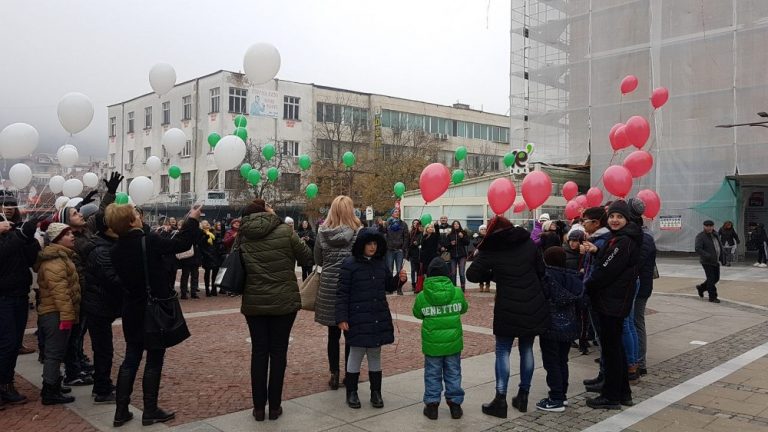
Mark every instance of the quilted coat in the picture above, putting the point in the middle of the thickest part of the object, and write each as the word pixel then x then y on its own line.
pixel 59 283
pixel 331 247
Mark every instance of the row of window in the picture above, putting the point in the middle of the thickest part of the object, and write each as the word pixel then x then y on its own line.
pixel 444 126
pixel 343 114
pixel 232 181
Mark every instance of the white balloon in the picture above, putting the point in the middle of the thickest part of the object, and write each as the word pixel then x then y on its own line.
pixel 75 112
pixel 61 202
pixel 261 63
pixel 162 78
pixel 72 188
pixel 154 164
pixel 18 140
pixel 90 180
pixel 74 202
pixel 20 175
pixel 67 155
pixel 229 152
pixel 174 140
pixel 141 190
pixel 56 183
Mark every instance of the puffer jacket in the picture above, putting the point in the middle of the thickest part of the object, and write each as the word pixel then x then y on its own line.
pixel 563 289
pixel 17 254
pixel 440 305
pixel 270 249
pixel 647 266
pixel 332 246
pixel 102 288
pixel 457 244
pixel 361 300
pixel 397 234
pixel 59 283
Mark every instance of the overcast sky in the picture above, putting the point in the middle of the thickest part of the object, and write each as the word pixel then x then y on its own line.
pixel 439 51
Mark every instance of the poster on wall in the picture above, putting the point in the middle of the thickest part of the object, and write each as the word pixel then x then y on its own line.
pixel 264 103
pixel 671 223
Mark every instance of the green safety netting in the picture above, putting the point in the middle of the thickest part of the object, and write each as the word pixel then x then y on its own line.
pixel 722 206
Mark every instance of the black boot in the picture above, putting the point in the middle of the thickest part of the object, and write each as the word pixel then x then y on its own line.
pixel 596 380
pixel 151 386
pixel 125 379
pixel 497 407
pixel 376 400
pixel 333 383
pixel 8 394
pixel 430 410
pixel 351 381
pixel 207 292
pixel 521 401
pixel 51 394
pixel 456 411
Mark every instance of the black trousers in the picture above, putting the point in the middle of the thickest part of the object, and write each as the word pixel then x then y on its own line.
pixel 334 342
pixel 713 277
pixel 100 329
pixel 305 271
pixel 554 355
pixel 269 357
pixel 616 387
pixel 74 358
pixel 209 278
pixel 189 271
pixel 13 321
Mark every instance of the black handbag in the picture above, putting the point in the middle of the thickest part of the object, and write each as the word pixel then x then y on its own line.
pixel 231 276
pixel 164 323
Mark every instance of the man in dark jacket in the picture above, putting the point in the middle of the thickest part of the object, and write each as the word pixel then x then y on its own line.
pixel 646 271
pixel 709 249
pixel 397 242
pixel 18 252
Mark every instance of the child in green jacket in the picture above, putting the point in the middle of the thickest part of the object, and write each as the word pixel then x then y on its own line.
pixel 440 305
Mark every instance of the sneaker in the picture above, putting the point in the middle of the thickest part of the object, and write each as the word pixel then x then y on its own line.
pixel 763 265
pixel 80 380
pixel 548 404
pixel 107 399
pixel 714 300
pixel 757 264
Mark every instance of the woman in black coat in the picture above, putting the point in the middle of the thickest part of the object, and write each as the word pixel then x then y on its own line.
pixel 429 246
pixel 136 248
pixel 210 249
pixel 456 243
pixel 413 250
pixel 307 235
pixel 509 257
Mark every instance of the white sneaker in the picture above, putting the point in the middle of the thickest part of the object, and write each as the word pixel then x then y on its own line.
pixel 763 265
pixel 756 264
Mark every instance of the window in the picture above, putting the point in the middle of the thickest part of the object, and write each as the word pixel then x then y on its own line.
pixel 231 179
pixel 237 100
pixel 187 150
pixel 147 153
pixel 164 183
pixel 185 182
pixel 166 113
pixel 327 148
pixel 213 179
pixel 215 100
pixel 130 157
pixel 113 126
pixel 111 160
pixel 290 182
pixel 130 122
pixel 290 108
pixel 147 117
pixel 290 148
pixel 186 107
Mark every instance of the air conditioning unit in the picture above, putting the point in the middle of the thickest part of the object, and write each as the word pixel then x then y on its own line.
pixel 128 166
pixel 443 137
pixel 165 160
pixel 436 135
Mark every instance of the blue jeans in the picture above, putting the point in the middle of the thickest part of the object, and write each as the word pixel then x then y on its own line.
pixel 395 256
pixel 13 321
pixel 503 349
pixel 629 333
pixel 443 369
pixel 458 263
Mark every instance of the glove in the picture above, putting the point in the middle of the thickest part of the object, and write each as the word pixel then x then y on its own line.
pixel 87 200
pixel 65 325
pixel 114 181
pixel 29 227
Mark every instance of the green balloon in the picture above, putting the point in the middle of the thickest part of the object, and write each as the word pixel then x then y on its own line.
pixel 457 176
pixel 305 162
pixel 121 198
pixel 272 174
pixel 461 153
pixel 268 151
pixel 174 172
pixel 254 177
pixel 240 121
pixel 213 139
pixel 509 159
pixel 426 219
pixel 349 159
pixel 245 169
pixel 311 190
pixel 399 189
pixel 241 132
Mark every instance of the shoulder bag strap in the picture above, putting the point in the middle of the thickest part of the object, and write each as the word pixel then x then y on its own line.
pixel 146 267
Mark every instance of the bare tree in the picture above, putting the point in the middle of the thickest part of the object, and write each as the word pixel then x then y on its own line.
pixel 484 162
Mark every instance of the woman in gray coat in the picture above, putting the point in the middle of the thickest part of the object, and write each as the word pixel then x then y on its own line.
pixel 335 238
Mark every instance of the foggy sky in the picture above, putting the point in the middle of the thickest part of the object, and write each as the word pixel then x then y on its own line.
pixel 441 51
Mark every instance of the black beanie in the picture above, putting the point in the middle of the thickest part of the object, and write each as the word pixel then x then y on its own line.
pixel 554 256
pixel 437 267
pixel 621 207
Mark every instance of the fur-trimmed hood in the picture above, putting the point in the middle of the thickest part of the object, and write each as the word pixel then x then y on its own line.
pixel 367 235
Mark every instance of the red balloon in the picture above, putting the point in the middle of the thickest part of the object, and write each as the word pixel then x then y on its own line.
pixel 639 163
pixel 501 195
pixel 617 180
pixel 659 97
pixel 652 202
pixel 594 197
pixel 537 187
pixel 434 181
pixel 628 84
pixel 570 190
pixel 581 200
pixel 621 139
pixel 519 207
pixel 638 131
pixel 572 210
pixel 612 135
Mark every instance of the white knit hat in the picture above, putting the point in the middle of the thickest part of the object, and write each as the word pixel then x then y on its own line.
pixel 544 217
pixel 56 231
pixel 289 220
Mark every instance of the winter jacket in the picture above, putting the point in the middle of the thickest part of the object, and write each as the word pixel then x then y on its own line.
pixel 440 305
pixel 647 266
pixel 573 260
pixel 729 237
pixel 511 259
pixel 611 285
pixel 83 247
pixel 310 235
pixel 457 244
pixel 102 288
pixel 709 254
pixel 361 299
pixel 17 254
pixel 332 246
pixel 443 230
pixel 599 238
pixel 196 259
pixel 397 234
pixel 128 260
pixel 550 239
pixel 536 233
pixel 429 249
pixel 414 241
pixel 476 240
pixel 270 249
pixel 59 283
pixel 563 289
pixel 210 250
pixel 229 238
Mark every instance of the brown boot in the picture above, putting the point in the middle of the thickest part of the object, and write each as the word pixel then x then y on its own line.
pixel 634 377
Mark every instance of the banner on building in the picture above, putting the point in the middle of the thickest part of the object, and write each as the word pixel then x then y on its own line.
pixel 377 130
pixel 264 103
pixel 671 223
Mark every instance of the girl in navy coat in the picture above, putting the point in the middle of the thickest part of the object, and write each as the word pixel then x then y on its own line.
pixel 362 311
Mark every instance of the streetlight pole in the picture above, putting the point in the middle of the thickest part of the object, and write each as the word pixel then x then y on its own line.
pixel 764 124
